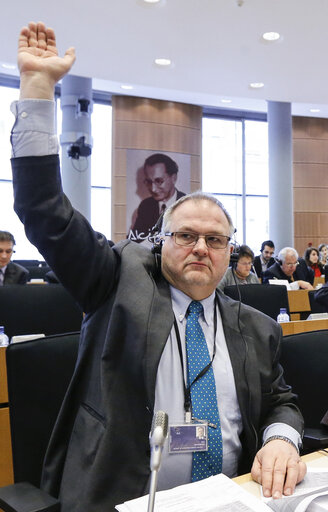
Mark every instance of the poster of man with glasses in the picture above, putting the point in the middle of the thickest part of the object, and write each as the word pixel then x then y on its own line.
pixel 160 179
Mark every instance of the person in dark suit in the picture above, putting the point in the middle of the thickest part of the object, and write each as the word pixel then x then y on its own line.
pixel 291 268
pixel 265 259
pixel 10 273
pixel 136 304
pixel 161 174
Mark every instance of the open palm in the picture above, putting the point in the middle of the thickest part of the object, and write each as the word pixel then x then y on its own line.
pixel 37 53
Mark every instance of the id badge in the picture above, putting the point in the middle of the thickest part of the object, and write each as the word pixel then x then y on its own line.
pixel 188 437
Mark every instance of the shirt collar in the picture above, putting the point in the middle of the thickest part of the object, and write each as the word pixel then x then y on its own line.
pixel 169 201
pixel 181 301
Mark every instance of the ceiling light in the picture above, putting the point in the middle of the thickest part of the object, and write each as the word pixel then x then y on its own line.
pixel 151 1
pixel 126 87
pixel 271 36
pixel 256 85
pixel 314 110
pixel 6 65
pixel 163 62
pixel 226 101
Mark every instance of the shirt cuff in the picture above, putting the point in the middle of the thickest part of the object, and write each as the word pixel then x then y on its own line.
pixel 34 130
pixel 282 429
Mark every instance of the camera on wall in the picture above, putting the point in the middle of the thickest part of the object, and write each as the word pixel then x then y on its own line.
pixel 79 148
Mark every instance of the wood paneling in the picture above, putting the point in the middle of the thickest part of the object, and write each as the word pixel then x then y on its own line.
pixel 154 125
pixel 310 143
pixel 6 464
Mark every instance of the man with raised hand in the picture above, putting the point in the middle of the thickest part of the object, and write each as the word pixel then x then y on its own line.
pixel 144 312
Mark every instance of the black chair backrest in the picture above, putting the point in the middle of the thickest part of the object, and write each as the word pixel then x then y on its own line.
pixel 37 272
pixel 39 372
pixel 266 298
pixel 304 358
pixel 37 308
pixel 314 305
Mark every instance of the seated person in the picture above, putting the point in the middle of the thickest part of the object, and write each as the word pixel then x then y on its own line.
pixel 290 267
pixel 311 257
pixel 323 252
pixel 10 273
pixel 242 273
pixel 265 259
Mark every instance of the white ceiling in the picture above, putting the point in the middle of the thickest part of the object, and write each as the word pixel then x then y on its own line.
pixel 215 46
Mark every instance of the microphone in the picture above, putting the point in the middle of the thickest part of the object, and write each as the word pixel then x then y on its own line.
pixel 157 439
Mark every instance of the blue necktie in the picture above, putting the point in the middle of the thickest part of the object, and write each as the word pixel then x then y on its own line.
pixel 203 396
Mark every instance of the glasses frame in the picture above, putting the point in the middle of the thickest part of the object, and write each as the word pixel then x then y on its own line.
pixel 198 236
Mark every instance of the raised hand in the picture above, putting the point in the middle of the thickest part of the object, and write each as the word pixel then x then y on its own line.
pixel 38 61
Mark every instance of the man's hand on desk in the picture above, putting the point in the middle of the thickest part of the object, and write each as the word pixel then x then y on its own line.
pixel 278 468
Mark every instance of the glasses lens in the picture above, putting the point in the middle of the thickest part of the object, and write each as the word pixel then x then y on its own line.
pixel 217 242
pixel 185 238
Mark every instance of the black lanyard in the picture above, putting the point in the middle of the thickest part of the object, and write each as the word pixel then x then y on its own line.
pixel 186 389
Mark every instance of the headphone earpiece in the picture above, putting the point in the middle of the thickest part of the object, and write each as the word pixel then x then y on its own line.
pixel 157 245
pixel 278 261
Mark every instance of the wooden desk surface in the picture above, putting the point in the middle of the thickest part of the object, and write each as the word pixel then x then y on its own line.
pixel 298 301
pixel 316 459
pixel 304 326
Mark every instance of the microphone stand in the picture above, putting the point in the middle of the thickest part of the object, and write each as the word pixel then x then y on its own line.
pixel 152 490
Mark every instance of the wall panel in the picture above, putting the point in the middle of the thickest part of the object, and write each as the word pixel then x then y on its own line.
pixel 310 145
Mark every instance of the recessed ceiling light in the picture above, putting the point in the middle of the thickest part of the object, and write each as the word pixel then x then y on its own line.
pixel 6 65
pixel 126 87
pixel 314 110
pixel 162 62
pixel 225 100
pixel 271 36
pixel 151 1
pixel 256 85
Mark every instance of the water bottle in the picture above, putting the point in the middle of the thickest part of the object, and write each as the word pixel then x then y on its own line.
pixel 4 340
pixel 283 316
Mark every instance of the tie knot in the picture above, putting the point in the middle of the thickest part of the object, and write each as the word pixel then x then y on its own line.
pixel 195 308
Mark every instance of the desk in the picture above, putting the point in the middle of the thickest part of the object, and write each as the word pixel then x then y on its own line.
pixel 318 280
pixel 316 459
pixel 6 463
pixel 296 327
pixel 298 301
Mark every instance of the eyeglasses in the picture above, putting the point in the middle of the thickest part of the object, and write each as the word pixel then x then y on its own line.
pixel 157 181
pixel 191 239
pixel 290 265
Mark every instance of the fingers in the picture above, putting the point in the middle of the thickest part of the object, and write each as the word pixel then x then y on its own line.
pixel 278 468
pixel 37 35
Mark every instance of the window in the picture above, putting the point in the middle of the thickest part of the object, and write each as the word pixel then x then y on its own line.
pixel 235 169
pixel 101 172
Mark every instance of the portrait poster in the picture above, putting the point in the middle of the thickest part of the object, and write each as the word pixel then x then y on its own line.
pixel 152 188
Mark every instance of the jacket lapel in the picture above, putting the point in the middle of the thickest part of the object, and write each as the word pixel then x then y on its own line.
pixel 244 365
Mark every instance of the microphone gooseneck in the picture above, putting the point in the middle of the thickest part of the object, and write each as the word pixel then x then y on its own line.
pixel 157 439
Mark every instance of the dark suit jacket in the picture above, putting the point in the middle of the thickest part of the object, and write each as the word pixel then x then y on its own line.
pixel 302 272
pixel 99 452
pixel 15 274
pixel 147 216
pixel 258 265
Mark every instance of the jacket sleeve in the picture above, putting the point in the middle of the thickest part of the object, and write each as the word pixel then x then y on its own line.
pixel 81 258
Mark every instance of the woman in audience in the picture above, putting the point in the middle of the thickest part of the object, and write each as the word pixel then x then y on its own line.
pixel 323 252
pixel 311 257
pixel 242 273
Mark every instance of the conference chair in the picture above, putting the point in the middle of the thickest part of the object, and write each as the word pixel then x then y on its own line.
pixel 38 309
pixel 304 358
pixel 266 298
pixel 39 372
pixel 316 307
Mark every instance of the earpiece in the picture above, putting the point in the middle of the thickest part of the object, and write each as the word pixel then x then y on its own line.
pixel 155 237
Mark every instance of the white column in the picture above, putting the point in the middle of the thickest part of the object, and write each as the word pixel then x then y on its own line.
pixel 281 212
pixel 76 141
